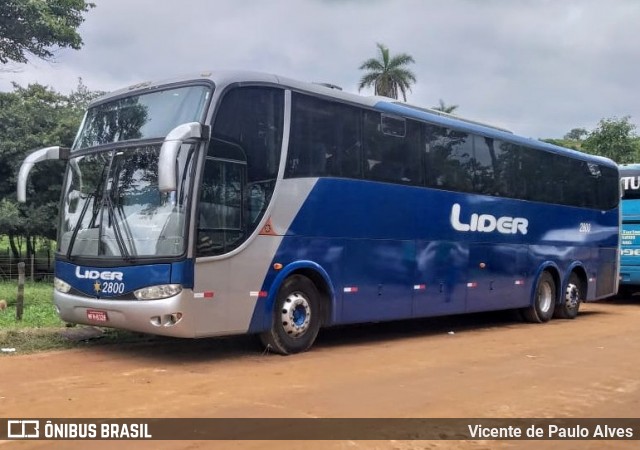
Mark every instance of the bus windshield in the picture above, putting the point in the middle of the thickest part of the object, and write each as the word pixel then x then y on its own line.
pixel 145 116
pixel 112 206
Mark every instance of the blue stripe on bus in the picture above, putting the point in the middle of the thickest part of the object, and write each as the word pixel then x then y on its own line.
pixel 84 278
pixel 372 210
pixel 385 239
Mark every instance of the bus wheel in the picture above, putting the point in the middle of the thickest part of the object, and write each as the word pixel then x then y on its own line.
pixel 296 317
pixel 568 308
pixel 544 300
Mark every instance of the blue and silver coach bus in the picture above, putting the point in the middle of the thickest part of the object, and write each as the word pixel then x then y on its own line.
pixel 234 203
pixel 630 230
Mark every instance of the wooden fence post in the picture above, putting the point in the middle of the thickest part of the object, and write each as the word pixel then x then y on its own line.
pixel 20 299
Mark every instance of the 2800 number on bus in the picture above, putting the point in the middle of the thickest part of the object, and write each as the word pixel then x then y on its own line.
pixel 110 287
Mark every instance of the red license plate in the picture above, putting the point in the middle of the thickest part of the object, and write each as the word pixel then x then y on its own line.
pixel 97 316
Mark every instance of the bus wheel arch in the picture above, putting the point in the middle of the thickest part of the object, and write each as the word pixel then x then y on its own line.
pixel 574 293
pixel 545 297
pixel 301 306
pixel 324 291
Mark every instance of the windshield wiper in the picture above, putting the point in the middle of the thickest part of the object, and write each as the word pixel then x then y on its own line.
pixel 117 232
pixel 98 208
pixel 85 207
pixel 127 230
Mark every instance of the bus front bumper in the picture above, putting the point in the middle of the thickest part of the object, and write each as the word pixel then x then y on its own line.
pixel 168 317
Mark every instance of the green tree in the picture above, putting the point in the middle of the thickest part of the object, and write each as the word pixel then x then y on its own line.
pixel 30 118
pixel 82 96
pixel 388 75
pixel 11 223
pixel 38 27
pixel 566 143
pixel 442 106
pixel 576 134
pixel 614 138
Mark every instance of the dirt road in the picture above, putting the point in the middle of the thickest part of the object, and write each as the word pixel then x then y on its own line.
pixel 487 365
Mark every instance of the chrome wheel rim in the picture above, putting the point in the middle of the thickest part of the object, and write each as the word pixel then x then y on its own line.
pixel 295 315
pixel 572 296
pixel 545 297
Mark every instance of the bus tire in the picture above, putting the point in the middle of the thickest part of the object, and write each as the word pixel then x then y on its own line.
pixel 296 317
pixel 570 304
pixel 544 300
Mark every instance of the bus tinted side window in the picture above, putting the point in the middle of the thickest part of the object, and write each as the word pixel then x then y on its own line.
pixel 608 196
pixel 582 184
pixel 241 167
pixel 535 173
pixel 329 138
pixel 487 157
pixel 392 149
pixel 558 179
pixel 325 139
pixel 510 181
pixel 595 188
pixel 449 159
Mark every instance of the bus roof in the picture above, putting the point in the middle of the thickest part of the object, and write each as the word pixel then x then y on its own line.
pixel 383 104
pixel 451 116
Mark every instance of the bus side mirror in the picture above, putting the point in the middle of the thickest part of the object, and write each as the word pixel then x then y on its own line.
pixel 169 151
pixel 37 156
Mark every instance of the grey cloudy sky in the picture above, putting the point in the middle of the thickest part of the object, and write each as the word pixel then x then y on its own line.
pixel 537 67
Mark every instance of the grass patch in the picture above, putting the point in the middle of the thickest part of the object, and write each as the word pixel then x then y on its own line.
pixel 27 340
pixel 41 329
pixel 31 340
pixel 38 312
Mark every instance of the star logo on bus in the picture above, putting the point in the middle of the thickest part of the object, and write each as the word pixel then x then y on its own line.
pixel 96 287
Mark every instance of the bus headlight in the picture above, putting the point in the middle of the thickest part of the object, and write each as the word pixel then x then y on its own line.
pixel 158 292
pixel 61 286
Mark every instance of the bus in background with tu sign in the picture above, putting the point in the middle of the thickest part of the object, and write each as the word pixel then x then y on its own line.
pixel 630 230
pixel 237 202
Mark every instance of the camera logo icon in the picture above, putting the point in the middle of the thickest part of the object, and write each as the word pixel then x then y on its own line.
pixel 23 429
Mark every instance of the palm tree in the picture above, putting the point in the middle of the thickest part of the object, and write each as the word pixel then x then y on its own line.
pixel 388 75
pixel 449 109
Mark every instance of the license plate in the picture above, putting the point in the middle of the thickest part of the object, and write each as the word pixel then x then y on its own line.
pixel 97 316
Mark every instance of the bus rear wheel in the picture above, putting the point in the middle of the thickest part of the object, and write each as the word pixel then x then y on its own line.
pixel 296 317
pixel 568 308
pixel 544 300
